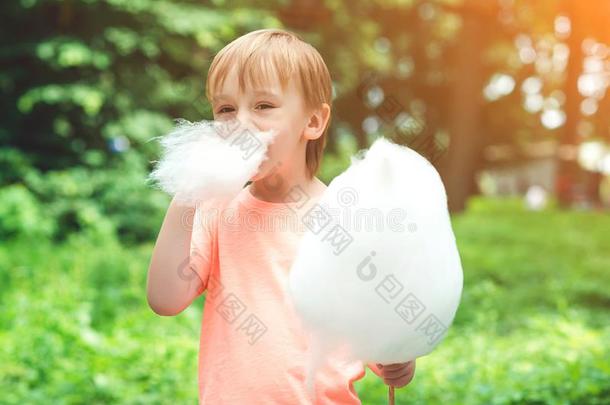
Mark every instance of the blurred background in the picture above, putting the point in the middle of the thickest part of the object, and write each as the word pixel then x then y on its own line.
pixel 507 98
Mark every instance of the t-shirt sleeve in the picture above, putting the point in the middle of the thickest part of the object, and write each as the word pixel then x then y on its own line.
pixel 203 241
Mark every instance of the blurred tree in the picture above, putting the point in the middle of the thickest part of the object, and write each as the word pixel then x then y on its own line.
pixel 467 74
pixel 412 71
pixel 87 83
pixel 103 75
pixel 465 120
pixel 586 21
pixel 90 82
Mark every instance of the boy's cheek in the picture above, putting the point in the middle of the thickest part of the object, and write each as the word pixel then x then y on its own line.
pixel 264 169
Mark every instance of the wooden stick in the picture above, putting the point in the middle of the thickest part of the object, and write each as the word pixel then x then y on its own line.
pixel 390 395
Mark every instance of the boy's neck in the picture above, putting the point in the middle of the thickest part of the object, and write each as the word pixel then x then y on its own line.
pixel 274 188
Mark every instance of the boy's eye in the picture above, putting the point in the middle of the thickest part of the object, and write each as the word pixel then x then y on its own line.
pixel 222 110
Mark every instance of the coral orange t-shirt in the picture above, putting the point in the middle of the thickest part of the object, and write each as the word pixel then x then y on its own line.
pixel 253 348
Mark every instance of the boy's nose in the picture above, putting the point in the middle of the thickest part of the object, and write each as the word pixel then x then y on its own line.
pixel 245 121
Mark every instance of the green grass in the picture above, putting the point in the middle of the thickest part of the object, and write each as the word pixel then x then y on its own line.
pixel 533 325
pixel 76 328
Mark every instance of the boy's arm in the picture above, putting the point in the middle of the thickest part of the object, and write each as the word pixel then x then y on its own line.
pixel 172 285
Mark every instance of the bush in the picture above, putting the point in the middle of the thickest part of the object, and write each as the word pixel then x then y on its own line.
pixel 21 215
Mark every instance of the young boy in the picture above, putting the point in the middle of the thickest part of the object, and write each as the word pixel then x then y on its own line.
pixel 252 346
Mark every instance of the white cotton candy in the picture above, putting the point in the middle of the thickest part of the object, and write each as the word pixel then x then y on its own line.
pixel 209 159
pixel 390 289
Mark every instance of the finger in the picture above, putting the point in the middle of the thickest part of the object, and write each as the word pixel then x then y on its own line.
pixel 405 367
pixel 409 369
pixel 397 373
pixel 392 367
pixel 399 381
pixel 394 373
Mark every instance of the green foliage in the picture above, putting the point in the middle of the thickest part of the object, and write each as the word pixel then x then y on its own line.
pixel 87 86
pixel 76 328
pixel 334 164
pixel 88 98
pixel 109 203
pixel 21 215
pixel 531 329
pixel 14 165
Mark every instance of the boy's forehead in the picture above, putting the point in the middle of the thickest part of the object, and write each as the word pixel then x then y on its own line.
pixel 269 86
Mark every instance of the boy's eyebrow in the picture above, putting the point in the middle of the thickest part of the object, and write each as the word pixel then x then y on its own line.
pixel 257 93
pixel 266 93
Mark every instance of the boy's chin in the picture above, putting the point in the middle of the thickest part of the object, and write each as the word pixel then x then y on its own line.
pixel 259 175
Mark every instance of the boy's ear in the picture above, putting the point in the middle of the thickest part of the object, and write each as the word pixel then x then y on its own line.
pixel 317 122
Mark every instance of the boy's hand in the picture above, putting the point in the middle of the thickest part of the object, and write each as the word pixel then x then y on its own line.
pixel 398 374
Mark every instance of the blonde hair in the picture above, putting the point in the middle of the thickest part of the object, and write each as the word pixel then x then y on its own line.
pixel 265 51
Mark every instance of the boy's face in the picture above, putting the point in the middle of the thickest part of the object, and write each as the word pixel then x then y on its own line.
pixel 269 108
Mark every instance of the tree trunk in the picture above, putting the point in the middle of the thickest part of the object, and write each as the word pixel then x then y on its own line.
pixel 569 173
pixel 465 115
